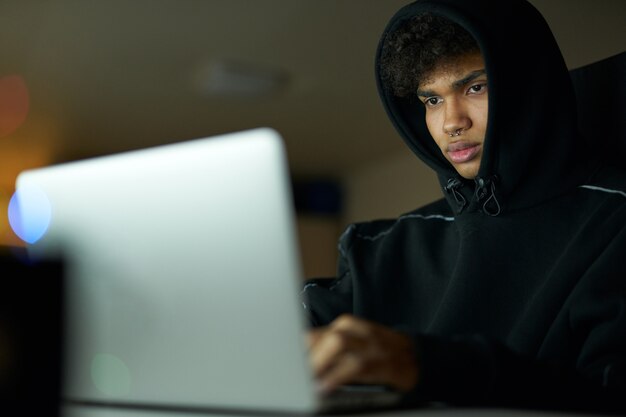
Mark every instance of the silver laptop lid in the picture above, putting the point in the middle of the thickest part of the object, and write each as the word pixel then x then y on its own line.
pixel 184 274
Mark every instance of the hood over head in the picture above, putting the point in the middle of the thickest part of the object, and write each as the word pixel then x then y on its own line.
pixel 532 149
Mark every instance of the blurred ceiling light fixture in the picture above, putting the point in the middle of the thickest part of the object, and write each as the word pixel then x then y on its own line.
pixel 239 80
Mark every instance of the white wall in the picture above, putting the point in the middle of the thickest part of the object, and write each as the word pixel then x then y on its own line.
pixel 389 187
pixel 318 245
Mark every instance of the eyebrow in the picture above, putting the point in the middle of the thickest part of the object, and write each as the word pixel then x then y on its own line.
pixel 455 84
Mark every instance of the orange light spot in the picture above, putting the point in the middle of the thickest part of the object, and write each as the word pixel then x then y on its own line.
pixel 14 103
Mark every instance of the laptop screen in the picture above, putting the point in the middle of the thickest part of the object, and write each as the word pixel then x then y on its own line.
pixel 183 274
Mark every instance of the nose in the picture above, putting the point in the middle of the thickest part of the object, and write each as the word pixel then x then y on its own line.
pixel 456 118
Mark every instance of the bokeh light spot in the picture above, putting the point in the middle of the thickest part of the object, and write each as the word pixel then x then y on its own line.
pixel 30 213
pixel 14 103
pixel 110 375
pixel 5 196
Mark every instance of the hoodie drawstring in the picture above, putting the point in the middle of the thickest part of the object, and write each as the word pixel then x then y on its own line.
pixel 486 190
pixel 452 187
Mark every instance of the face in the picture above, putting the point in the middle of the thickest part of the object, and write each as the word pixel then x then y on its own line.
pixel 455 97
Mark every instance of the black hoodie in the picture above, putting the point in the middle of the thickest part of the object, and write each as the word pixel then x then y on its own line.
pixel 514 285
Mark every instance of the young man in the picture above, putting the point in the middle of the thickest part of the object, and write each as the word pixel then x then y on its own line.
pixel 510 291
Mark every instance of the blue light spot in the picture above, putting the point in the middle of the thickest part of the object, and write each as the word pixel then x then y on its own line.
pixel 30 213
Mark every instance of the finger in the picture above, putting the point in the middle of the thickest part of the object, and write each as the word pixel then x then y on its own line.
pixel 346 334
pixel 345 370
pixel 367 368
pixel 352 324
pixel 331 346
pixel 352 368
pixel 366 352
pixel 313 336
pixel 344 323
pixel 326 350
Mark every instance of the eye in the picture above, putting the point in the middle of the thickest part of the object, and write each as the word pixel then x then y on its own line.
pixel 432 101
pixel 478 88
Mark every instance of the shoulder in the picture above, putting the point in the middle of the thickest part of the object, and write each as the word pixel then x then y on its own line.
pixel 435 213
pixel 608 182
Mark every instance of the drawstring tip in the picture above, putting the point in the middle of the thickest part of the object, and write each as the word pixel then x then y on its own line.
pixel 486 188
pixel 452 187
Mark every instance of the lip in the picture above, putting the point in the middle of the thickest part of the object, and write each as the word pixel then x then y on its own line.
pixel 462 151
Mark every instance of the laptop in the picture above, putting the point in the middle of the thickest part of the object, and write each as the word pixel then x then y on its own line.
pixel 183 275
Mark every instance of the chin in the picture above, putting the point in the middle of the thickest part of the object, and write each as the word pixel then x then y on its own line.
pixel 468 175
pixel 469 171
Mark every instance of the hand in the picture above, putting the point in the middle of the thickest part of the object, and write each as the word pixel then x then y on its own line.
pixel 351 350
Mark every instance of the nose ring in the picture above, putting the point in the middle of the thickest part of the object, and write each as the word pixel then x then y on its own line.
pixel 456 133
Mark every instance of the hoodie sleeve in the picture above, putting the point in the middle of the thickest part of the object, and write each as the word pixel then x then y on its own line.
pixel 476 371
pixel 325 299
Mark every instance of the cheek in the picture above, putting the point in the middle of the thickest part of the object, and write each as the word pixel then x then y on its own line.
pixel 479 115
pixel 431 123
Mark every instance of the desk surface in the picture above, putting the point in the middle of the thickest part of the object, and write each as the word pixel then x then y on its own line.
pixel 87 411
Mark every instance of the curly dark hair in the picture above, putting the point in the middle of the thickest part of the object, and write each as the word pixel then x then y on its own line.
pixel 420 44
